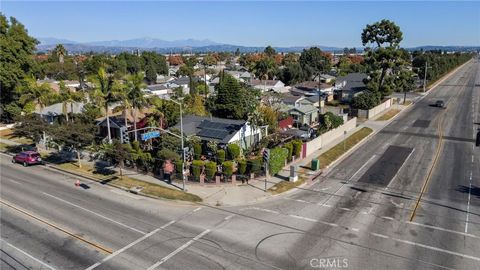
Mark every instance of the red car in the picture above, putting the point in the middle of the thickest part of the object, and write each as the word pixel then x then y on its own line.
pixel 27 158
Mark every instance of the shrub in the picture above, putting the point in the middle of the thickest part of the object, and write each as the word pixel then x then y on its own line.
pixel 329 121
pixel 242 166
pixel 277 159
pixel 167 154
pixel 197 168
pixel 233 151
pixel 210 169
pixel 227 168
pixel 197 150
pixel 289 147
pixel 220 156
pixel 254 165
pixel 366 100
pixel 178 166
pixel 297 147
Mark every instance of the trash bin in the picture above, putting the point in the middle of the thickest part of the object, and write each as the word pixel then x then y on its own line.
pixel 315 164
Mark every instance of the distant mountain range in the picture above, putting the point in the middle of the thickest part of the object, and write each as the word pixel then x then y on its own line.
pixel 190 45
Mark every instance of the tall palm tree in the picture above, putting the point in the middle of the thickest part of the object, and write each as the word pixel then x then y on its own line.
pixel 105 92
pixel 254 120
pixel 135 96
pixel 69 97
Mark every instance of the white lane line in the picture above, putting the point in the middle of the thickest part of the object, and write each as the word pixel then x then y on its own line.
pixel 345 209
pixel 389 218
pixel 364 164
pixel 355 229
pixel 379 235
pixel 28 255
pixel 184 246
pixel 304 218
pixel 130 245
pixel 442 229
pixel 399 169
pixel 229 217
pixel 468 205
pixel 96 214
pixel 262 209
pixel 437 249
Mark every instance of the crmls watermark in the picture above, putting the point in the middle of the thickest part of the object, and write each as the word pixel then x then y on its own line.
pixel 329 263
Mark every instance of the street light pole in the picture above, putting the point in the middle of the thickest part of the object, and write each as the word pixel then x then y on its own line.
pixel 425 77
pixel 183 148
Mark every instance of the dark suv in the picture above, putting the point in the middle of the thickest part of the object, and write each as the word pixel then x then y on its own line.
pixel 27 158
pixel 440 103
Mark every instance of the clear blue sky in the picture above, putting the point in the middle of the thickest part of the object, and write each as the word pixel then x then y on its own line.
pixel 249 23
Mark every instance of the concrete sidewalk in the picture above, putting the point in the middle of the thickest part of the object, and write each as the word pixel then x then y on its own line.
pixel 228 194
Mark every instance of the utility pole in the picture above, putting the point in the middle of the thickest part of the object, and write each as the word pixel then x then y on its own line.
pixel 425 77
pixel 183 148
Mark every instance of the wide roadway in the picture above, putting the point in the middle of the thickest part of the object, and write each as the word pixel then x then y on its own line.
pixel 358 215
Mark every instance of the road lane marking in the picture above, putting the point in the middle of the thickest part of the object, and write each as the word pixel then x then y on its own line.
pixel 96 214
pixel 175 252
pixel 261 209
pixel 95 245
pixel 468 205
pixel 437 249
pixel 380 235
pixel 28 255
pixel 126 247
pixel 364 164
pixel 442 229
pixel 389 218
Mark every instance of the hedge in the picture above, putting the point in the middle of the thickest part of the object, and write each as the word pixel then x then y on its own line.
pixel 197 150
pixel 242 167
pixel 254 165
pixel 289 147
pixel 210 169
pixel 227 168
pixel 277 159
pixel 220 156
pixel 297 147
pixel 178 166
pixel 233 151
pixel 197 168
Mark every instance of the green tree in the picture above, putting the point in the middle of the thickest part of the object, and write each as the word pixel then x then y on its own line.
pixel 270 51
pixel 314 62
pixel 118 153
pixel 292 73
pixel 69 97
pixel 136 96
pixel 265 68
pixel 366 100
pixel 220 156
pixel 227 167
pixel 31 126
pixel 16 64
pixel 232 100
pixel 384 57
pixel 210 169
pixel 150 73
pixel 60 52
pixel 32 95
pixel 233 151
pixel 405 82
pixel 104 93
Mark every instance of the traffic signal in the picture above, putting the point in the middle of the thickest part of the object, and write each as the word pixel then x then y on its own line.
pixel 125 138
pixel 266 155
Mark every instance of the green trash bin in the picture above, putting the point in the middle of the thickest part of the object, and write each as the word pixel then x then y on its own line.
pixel 315 164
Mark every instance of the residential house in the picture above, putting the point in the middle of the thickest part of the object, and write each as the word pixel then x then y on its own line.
pixel 312 87
pixel 160 90
pixel 52 112
pixel 118 125
pixel 223 131
pixel 350 85
pixel 240 75
pixel 183 82
pixel 304 114
pixel 327 78
pixel 269 85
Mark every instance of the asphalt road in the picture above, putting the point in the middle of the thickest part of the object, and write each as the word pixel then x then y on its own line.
pixel 358 216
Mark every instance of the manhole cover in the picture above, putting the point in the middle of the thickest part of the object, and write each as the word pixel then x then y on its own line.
pixel 421 123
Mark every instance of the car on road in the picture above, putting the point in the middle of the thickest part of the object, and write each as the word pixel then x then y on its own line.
pixel 440 104
pixel 27 158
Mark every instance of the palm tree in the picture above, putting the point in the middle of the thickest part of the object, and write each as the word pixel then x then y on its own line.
pixel 105 92
pixel 60 52
pixel 32 93
pixel 254 120
pixel 135 96
pixel 68 97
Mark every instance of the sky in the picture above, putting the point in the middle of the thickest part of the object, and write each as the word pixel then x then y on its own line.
pixel 250 23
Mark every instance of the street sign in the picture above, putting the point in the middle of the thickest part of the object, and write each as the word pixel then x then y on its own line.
pixel 150 135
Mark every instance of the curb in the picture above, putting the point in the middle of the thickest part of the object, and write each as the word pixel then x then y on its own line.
pixel 97 181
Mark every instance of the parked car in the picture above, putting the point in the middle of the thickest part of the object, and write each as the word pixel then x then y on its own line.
pixel 27 158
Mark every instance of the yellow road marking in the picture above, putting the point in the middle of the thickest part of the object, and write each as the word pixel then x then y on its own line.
pixel 437 155
pixel 97 246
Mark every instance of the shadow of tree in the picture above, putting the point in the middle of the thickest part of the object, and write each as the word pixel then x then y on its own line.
pixel 474 191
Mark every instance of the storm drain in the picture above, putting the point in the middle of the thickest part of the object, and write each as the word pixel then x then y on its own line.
pixel 421 123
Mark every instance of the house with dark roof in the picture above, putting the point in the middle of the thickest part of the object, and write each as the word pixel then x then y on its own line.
pixel 349 86
pixel 223 131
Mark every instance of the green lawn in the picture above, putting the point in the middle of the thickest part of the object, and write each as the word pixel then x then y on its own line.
pixel 127 182
pixel 334 153
pixel 283 186
pixel 388 115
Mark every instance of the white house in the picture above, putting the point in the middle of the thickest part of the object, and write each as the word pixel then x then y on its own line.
pixel 269 85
